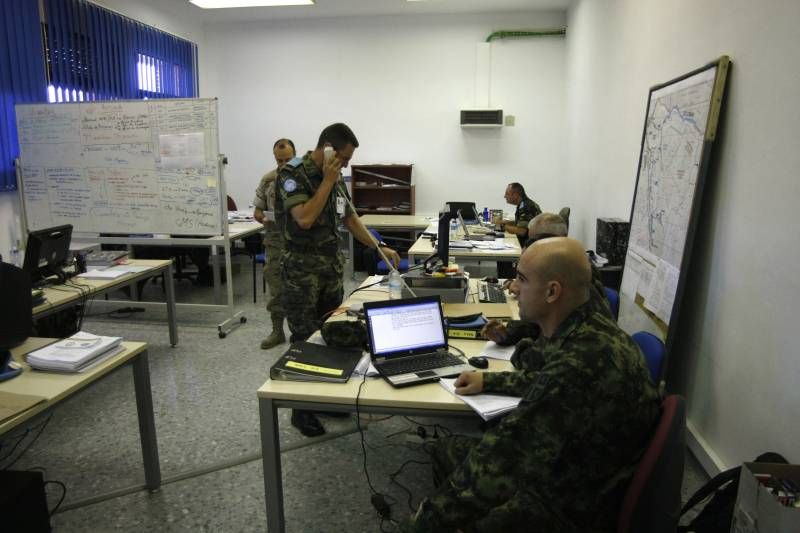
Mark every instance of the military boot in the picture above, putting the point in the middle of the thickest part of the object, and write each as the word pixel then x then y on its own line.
pixel 276 337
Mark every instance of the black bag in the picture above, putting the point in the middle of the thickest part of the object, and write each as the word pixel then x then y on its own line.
pixel 717 515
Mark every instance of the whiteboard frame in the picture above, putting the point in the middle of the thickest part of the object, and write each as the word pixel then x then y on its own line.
pixel 666 332
pixel 221 190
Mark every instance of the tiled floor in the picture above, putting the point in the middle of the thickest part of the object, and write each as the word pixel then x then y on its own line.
pixel 204 393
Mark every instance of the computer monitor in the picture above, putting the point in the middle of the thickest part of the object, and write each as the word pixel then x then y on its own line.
pixel 46 252
pixel 442 243
pixel 467 210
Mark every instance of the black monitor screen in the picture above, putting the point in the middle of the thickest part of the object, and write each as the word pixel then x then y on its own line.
pixel 46 251
pixel 443 237
pixel 467 210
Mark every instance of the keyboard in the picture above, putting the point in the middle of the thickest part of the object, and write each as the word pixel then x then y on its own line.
pixel 490 293
pixel 418 363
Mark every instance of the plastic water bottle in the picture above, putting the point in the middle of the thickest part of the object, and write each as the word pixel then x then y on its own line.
pixel 453 229
pixel 395 285
pixel 486 214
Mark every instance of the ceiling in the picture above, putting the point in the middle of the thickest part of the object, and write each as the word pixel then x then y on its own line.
pixel 350 8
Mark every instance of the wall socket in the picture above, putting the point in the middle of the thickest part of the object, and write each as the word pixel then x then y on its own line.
pixel 510 120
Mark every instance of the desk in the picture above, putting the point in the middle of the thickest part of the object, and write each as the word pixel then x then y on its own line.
pixel 232 233
pixel 62 296
pixel 55 387
pixel 377 396
pixel 413 224
pixel 423 248
pixel 396 222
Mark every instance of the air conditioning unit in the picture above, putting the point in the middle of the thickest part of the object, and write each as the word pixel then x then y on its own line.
pixel 481 118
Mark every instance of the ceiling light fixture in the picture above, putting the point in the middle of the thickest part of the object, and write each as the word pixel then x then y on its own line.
pixel 222 4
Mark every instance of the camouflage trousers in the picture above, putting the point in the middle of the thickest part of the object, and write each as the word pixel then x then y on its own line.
pixel 272 274
pixel 312 287
pixel 447 454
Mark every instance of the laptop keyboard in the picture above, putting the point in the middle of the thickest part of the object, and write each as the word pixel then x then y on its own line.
pixel 490 293
pixel 418 363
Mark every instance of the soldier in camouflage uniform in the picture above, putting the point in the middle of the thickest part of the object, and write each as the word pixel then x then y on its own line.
pixel 283 150
pixel 310 203
pixel 542 226
pixel 562 460
pixel 526 210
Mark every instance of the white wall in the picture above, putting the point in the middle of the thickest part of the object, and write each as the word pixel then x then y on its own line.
pixel 399 82
pixel 736 359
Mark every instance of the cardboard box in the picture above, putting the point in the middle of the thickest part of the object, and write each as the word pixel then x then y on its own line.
pixel 757 510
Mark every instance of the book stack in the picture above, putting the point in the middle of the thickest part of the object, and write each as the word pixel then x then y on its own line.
pixel 75 354
pixel 466 327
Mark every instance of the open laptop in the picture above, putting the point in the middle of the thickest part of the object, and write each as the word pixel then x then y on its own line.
pixel 408 342
pixel 472 235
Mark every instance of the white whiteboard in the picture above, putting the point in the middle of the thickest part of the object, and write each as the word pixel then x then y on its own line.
pixel 136 166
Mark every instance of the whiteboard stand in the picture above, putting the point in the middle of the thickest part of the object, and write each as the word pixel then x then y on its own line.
pixel 22 238
pixel 236 318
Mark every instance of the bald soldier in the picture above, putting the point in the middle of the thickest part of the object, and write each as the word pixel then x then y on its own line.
pixel 562 460
pixel 542 226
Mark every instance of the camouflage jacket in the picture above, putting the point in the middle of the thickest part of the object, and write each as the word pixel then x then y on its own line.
pixel 526 211
pixel 561 460
pixel 265 200
pixel 297 182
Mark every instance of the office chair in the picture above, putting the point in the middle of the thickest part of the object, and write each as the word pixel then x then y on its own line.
pixel 613 301
pixel 652 501
pixel 564 213
pixel 374 263
pixel 653 349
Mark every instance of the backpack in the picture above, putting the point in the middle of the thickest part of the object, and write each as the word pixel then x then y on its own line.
pixel 717 515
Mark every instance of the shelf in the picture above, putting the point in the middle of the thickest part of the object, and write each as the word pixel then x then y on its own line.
pixel 384 186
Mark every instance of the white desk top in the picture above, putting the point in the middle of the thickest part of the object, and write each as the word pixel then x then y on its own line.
pixel 376 391
pixel 60 294
pixel 423 247
pixel 418 222
pixel 54 386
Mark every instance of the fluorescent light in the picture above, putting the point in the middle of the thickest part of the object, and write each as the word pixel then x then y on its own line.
pixel 221 4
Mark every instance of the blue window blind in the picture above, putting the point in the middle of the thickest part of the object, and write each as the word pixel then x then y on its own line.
pixel 95 54
pixel 22 76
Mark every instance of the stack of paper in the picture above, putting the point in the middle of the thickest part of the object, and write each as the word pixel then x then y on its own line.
pixel 76 353
pixel 487 406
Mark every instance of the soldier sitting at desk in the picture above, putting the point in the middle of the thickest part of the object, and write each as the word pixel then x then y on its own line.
pixel 561 461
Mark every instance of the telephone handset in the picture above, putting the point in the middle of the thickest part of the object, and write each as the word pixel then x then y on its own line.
pixel 328 154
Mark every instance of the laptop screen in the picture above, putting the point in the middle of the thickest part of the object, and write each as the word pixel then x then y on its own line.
pixel 405 327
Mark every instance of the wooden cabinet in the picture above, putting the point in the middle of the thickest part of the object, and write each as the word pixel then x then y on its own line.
pixel 383 189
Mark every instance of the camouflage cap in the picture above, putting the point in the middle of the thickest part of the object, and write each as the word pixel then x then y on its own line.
pixel 345 334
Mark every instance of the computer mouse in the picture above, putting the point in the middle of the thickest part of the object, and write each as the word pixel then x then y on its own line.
pixel 490 280
pixel 478 361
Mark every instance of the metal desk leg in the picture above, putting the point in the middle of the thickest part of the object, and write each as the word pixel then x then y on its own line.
pixel 147 426
pixel 271 454
pixel 169 285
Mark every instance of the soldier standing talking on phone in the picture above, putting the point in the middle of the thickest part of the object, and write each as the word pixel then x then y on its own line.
pixel 310 203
